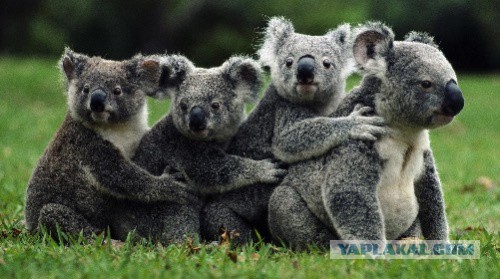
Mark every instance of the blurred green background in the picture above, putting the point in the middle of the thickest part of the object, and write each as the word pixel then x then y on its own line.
pixel 208 32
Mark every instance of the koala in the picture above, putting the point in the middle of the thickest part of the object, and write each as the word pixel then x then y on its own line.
pixel 207 107
pixel 382 190
pixel 291 122
pixel 86 167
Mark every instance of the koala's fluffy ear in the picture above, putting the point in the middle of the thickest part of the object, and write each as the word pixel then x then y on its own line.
pixel 373 42
pixel 420 37
pixel 245 75
pixel 278 29
pixel 72 63
pixel 174 69
pixel 341 35
pixel 148 73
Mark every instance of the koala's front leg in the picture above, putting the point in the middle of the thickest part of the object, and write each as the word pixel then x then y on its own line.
pixel 218 172
pixel 349 193
pixel 113 174
pixel 304 139
pixel 432 215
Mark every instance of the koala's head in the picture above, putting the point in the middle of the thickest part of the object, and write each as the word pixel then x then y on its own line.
pixel 306 69
pixel 103 92
pixel 419 87
pixel 209 104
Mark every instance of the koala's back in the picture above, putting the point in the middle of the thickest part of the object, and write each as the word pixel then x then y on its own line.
pixel 254 137
pixel 307 177
pixel 157 147
pixel 61 178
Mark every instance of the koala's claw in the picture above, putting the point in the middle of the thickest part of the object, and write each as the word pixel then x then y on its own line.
pixel 280 164
pixel 273 171
pixel 178 176
pixel 170 170
pixel 365 137
pixel 370 120
pixel 368 132
pixel 360 110
pixel 174 173
pixel 376 120
pixel 178 191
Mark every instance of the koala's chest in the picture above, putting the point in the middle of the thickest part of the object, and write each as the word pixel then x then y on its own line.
pixel 126 140
pixel 403 164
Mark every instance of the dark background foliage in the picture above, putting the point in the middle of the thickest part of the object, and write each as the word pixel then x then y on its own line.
pixel 209 32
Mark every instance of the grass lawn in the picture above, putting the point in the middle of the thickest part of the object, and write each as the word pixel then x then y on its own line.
pixel 32 106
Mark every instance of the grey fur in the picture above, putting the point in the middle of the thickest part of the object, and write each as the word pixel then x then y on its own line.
pixel 86 169
pixel 352 192
pixel 420 37
pixel 199 156
pixel 290 123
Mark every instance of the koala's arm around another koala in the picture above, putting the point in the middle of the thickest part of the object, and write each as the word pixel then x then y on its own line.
pixel 214 171
pixel 300 134
pixel 152 154
pixel 432 215
pixel 363 95
pixel 115 175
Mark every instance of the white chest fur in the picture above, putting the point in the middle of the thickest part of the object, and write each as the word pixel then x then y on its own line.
pixel 126 136
pixel 403 164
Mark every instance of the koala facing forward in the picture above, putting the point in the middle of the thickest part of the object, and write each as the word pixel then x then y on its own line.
pixel 207 108
pixel 86 167
pixel 386 189
pixel 290 123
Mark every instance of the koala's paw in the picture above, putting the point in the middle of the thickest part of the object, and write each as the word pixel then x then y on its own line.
pixel 174 173
pixel 360 110
pixel 367 132
pixel 271 171
pixel 368 128
pixel 184 196
pixel 177 191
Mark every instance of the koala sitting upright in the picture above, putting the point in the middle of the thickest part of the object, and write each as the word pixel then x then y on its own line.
pixel 207 108
pixel 290 123
pixel 86 167
pixel 386 189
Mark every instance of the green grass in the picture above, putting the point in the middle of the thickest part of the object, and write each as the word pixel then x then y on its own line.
pixel 32 106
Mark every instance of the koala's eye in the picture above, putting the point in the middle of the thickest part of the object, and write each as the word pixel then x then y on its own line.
pixel 86 89
pixel 183 106
pixel 117 90
pixel 426 84
pixel 216 105
pixel 289 61
pixel 327 63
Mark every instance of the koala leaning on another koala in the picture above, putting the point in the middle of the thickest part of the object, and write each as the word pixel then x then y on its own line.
pixel 387 189
pixel 86 168
pixel 207 107
pixel 290 123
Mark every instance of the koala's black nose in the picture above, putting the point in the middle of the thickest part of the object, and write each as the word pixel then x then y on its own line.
pixel 453 99
pixel 197 119
pixel 98 100
pixel 305 69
